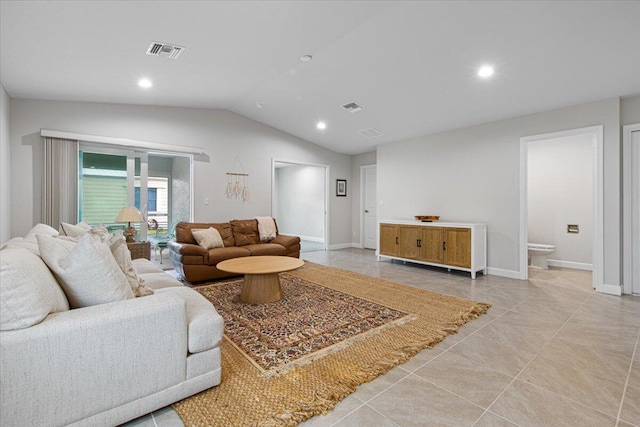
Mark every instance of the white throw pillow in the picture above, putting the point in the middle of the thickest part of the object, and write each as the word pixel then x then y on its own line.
pixel 208 238
pixel 28 290
pixel 87 271
pixel 73 230
pixel 122 255
pixel 42 229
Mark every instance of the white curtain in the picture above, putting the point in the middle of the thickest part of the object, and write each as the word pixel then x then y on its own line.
pixel 60 181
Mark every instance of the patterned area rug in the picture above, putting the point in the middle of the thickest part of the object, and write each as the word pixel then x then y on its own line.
pixel 285 362
pixel 309 319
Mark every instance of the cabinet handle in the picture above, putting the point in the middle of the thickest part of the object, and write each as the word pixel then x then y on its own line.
pixel 396 240
pixel 444 246
pixel 419 243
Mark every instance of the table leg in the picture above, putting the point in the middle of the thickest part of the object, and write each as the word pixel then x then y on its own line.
pixel 261 288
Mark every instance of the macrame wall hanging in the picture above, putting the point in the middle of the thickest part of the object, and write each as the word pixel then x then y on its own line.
pixel 235 188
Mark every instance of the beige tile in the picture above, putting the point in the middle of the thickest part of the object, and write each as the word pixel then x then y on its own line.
pixel 167 417
pixel 421 358
pixel 634 375
pixel 597 342
pixel 528 405
pixel 366 391
pixel 499 355
pixel 492 420
pixel 631 406
pixel 342 409
pixel 576 376
pixel 365 416
pixel 465 378
pixel 416 402
pixel 620 323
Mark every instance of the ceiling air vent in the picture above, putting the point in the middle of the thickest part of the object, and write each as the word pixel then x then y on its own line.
pixel 352 107
pixel 165 49
pixel 370 133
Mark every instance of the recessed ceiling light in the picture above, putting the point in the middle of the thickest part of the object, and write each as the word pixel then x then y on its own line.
pixel 259 104
pixel 145 83
pixel 306 58
pixel 321 125
pixel 485 71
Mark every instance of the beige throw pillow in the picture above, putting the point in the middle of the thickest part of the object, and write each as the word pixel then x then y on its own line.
pixel 122 255
pixel 208 238
pixel 87 271
pixel 74 230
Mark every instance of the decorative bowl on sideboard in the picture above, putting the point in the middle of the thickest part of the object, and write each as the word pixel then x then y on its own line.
pixel 427 218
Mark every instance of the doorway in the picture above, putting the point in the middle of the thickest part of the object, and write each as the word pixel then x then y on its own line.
pixel 369 213
pixel 631 208
pixel 595 136
pixel 299 202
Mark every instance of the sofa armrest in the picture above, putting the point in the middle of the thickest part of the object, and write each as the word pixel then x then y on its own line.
pixel 84 361
pixel 286 241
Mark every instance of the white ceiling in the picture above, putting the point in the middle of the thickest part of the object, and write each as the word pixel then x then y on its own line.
pixel 412 65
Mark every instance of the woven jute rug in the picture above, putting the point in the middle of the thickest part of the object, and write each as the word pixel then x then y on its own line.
pixel 285 362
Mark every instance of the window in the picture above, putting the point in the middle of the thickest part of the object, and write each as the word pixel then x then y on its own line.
pixel 152 199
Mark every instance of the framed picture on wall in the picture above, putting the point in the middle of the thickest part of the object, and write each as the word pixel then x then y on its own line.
pixel 341 187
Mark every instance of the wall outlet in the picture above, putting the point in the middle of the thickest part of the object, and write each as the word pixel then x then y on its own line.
pixel 206 200
pixel 354 234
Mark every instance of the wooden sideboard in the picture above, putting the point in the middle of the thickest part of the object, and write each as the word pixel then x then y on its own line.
pixel 458 246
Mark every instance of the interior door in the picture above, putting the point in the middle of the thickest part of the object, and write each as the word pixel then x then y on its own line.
pixel 370 211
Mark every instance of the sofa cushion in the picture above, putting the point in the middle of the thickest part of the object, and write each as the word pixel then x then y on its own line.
pixel 86 271
pixel 184 235
pixel 42 229
pixel 205 325
pixel 143 266
pixel 220 254
pixel 208 238
pixel 245 231
pixel 160 280
pixel 28 290
pixel 266 249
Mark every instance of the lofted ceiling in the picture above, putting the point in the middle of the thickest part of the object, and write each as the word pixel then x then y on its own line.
pixel 411 65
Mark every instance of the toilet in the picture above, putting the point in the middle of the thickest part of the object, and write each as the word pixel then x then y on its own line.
pixel 538 254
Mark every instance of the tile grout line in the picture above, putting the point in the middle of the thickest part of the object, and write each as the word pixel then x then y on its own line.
pixel 626 383
pixel 534 357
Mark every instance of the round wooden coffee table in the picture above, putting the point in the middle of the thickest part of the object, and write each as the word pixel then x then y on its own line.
pixel 261 282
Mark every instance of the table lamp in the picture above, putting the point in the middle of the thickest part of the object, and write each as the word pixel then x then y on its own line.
pixel 129 214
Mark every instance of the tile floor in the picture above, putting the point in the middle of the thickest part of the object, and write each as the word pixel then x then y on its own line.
pixel 550 352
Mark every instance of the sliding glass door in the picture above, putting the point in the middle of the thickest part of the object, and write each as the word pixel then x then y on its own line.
pixel 157 184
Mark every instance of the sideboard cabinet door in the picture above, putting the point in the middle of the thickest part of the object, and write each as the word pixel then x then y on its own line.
pixel 390 239
pixel 457 245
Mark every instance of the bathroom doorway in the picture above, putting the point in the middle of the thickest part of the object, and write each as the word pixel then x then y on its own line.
pixel 561 203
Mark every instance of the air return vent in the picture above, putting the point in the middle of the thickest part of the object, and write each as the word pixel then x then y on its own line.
pixel 164 49
pixel 370 133
pixel 352 107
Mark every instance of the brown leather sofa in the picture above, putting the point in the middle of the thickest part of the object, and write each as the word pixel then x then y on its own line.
pixel 241 238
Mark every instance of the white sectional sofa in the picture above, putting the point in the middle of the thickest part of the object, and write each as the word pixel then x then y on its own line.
pixel 104 364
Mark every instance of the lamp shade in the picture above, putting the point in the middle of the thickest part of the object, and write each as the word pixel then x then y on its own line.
pixel 129 214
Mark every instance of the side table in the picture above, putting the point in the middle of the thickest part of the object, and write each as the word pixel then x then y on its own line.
pixel 140 250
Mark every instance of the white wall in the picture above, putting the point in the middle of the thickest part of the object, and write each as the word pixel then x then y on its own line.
pixel 630 110
pixel 5 170
pixel 472 174
pixel 354 191
pixel 301 199
pixel 222 134
pixel 560 181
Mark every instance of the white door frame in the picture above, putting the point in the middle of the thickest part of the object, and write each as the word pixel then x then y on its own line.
pixel 627 208
pixel 597 133
pixel 363 170
pixel 326 190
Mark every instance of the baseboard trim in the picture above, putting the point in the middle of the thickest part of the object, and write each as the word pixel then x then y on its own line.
pixel 310 239
pixel 612 289
pixel 570 264
pixel 341 246
pixel 503 273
